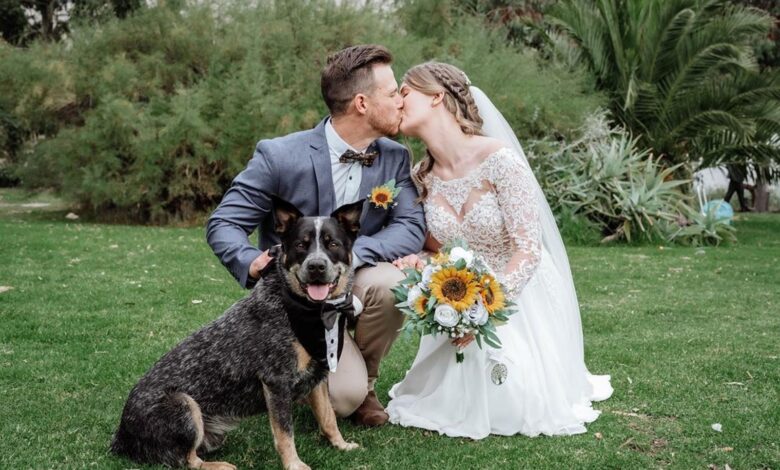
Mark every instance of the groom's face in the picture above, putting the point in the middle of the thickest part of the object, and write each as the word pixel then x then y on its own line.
pixel 385 103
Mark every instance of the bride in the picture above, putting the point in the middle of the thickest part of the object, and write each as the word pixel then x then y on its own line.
pixel 476 185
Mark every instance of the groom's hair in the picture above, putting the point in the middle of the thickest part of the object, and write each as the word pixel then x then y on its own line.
pixel 349 72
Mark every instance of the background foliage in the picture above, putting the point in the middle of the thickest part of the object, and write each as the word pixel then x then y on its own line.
pixel 604 178
pixel 149 118
pixel 681 75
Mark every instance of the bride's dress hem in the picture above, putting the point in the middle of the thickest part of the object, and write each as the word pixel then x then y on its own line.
pixel 602 390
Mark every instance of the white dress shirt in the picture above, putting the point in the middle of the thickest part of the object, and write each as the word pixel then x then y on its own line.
pixel 346 176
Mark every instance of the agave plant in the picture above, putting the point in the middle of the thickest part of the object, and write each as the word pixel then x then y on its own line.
pixel 705 229
pixel 648 197
pixel 607 178
pixel 681 75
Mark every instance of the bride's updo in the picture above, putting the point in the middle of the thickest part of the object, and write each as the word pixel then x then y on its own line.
pixel 431 78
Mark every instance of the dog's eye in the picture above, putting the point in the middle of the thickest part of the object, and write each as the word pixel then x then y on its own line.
pixel 299 246
pixel 334 244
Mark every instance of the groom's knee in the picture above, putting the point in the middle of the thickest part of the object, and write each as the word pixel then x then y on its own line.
pixel 378 325
pixel 373 284
pixel 349 399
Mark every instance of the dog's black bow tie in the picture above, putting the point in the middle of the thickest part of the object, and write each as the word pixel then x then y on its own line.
pixel 330 311
pixel 364 158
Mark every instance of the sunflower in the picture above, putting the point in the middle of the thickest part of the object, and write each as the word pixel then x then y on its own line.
pixel 457 288
pixel 492 296
pixel 419 306
pixel 381 196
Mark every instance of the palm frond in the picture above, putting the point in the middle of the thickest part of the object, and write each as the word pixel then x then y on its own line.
pixel 675 30
pixel 681 74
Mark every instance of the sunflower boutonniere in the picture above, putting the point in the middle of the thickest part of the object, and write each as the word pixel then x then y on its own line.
pixel 384 196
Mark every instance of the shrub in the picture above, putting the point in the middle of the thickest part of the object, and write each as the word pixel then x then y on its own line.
pixel 705 229
pixel 176 102
pixel 164 108
pixel 604 177
pixel 577 229
pixel 36 92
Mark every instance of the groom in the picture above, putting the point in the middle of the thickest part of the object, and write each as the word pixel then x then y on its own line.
pixel 319 170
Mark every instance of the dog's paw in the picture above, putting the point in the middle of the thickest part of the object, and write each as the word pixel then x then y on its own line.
pixel 346 446
pixel 297 465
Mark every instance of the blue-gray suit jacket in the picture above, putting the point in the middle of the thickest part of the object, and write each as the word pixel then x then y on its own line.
pixel 297 169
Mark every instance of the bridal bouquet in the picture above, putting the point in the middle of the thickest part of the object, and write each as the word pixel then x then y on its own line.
pixel 455 294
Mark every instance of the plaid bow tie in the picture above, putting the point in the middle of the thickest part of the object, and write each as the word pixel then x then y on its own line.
pixel 365 158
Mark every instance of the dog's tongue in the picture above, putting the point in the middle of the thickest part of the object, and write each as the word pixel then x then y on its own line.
pixel 318 292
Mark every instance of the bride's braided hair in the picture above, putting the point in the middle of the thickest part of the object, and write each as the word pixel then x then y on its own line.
pixel 436 77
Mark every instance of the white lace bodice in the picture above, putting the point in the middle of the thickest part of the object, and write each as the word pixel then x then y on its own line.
pixel 495 211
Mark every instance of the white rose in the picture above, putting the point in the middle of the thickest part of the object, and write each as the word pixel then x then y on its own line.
pixel 446 316
pixel 459 253
pixel 477 313
pixel 414 293
pixel 428 273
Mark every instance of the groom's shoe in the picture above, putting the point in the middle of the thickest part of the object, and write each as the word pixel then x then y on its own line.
pixel 370 412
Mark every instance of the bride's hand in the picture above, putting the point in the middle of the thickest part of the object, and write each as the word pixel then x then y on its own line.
pixel 409 261
pixel 463 342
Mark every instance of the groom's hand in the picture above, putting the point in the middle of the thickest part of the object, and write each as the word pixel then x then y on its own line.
pixel 259 264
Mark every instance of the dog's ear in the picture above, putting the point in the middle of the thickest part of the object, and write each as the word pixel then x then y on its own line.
pixel 348 217
pixel 285 215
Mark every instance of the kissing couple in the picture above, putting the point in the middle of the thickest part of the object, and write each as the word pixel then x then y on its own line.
pixel 473 184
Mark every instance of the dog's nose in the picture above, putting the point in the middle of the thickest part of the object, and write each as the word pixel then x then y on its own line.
pixel 316 267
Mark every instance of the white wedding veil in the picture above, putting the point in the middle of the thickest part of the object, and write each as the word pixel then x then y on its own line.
pixel 568 324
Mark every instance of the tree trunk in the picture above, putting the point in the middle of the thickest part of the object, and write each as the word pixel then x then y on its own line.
pixel 761 197
pixel 47 20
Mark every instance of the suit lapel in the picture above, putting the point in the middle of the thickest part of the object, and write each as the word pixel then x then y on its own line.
pixel 320 160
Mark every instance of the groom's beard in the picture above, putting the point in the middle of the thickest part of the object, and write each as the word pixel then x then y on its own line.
pixel 388 127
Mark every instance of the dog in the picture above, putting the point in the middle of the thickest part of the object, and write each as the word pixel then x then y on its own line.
pixel 269 350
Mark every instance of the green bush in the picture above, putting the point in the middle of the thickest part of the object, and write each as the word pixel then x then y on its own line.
pixel 576 228
pixel 150 118
pixel 36 95
pixel 176 103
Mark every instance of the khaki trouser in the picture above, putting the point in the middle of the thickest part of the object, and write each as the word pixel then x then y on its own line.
pixel 377 328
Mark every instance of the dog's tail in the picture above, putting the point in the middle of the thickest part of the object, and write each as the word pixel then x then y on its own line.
pixel 119 444
pixel 126 444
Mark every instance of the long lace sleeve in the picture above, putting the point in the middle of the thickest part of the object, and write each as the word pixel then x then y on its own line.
pixel 513 182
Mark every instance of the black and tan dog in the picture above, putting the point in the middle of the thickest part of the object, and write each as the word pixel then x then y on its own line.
pixel 268 350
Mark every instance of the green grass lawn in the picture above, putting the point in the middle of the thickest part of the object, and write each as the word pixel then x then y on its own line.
pixel 689 335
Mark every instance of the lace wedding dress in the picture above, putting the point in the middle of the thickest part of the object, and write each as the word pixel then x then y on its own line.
pixel 547 390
